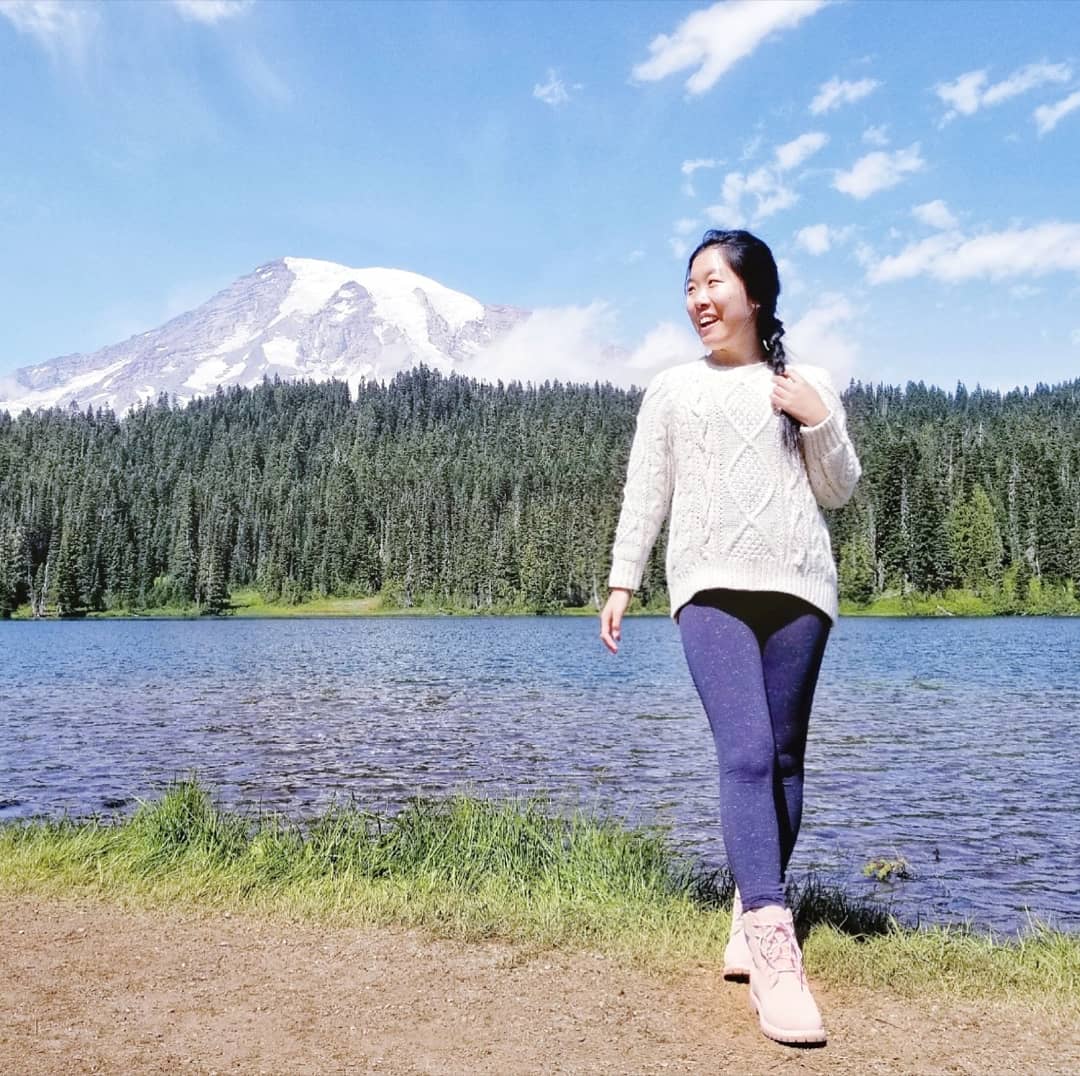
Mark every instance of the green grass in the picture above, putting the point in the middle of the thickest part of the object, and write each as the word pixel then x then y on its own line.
pixel 472 869
pixel 1039 600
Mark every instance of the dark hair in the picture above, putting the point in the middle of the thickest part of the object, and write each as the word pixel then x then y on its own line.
pixel 753 263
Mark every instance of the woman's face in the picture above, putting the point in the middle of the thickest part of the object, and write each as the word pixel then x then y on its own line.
pixel 721 312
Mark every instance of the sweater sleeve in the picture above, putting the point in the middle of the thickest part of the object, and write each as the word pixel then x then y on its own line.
pixel 647 493
pixel 831 463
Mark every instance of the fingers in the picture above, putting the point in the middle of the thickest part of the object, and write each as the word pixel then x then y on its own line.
pixel 610 629
pixel 611 617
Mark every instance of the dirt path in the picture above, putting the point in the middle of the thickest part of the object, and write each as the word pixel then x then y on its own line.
pixel 95 988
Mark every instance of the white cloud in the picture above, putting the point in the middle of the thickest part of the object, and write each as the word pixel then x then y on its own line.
pixel 664 345
pixel 792 154
pixel 951 256
pixel 211 11
pixel 690 167
pixel 1026 78
pixel 564 343
pixel 64 30
pixel 679 247
pixel 714 39
pixel 876 136
pixel 686 225
pixel 573 344
pixel 936 214
pixel 814 238
pixel 878 171
pixel 970 92
pixel 1074 336
pixel 763 186
pixel 835 93
pixel 636 255
pixel 554 91
pixel 818 337
pixel 964 95
pixel 1047 117
pixel 820 238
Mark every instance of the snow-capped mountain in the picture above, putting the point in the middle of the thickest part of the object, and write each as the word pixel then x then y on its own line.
pixel 295 318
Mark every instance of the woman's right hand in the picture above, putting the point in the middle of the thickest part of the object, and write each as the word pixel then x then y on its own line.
pixel 611 618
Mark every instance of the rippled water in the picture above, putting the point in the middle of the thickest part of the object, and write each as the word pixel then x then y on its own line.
pixel 952 743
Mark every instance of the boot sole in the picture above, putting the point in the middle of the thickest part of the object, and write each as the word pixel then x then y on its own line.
pixel 788 1037
pixel 737 975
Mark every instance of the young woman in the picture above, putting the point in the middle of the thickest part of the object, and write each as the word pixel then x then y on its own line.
pixel 741 449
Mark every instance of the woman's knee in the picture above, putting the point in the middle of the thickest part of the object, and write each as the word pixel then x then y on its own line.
pixel 749 763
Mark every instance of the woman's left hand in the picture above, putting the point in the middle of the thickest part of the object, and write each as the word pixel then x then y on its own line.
pixel 792 393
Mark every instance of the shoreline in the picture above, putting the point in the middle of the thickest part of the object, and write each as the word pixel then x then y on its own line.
pixel 372 608
pixel 480 869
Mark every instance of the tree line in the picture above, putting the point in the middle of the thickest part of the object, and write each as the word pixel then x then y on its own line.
pixel 444 491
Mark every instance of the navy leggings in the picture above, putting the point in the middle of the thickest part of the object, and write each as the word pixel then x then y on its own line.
pixel 754 657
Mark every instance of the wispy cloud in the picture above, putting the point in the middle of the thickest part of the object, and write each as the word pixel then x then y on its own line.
pixel 573 343
pixel 715 38
pixel 820 238
pixel 692 166
pixel 679 246
pixel 554 92
pixel 951 256
pixel 836 92
pixel 936 214
pixel 1047 117
pixel 763 187
pixel 792 154
pixel 876 136
pixel 65 30
pixel 970 92
pixel 819 337
pixel 1027 78
pixel 212 11
pixel 752 196
pixel 879 171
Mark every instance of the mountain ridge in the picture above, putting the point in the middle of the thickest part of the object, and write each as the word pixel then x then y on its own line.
pixel 292 318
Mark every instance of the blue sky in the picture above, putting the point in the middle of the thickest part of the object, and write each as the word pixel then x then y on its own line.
pixel 915 167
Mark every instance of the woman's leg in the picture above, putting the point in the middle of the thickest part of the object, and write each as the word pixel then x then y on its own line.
pixel 791 660
pixel 724 654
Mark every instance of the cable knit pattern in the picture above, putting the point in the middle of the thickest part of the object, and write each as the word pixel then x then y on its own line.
pixel 744 510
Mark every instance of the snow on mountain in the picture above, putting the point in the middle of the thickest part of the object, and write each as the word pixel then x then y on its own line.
pixel 294 318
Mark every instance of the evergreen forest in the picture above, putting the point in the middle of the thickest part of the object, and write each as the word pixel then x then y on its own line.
pixel 443 492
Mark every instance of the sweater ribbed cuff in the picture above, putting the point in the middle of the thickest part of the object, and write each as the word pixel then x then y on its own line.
pixel 625 574
pixel 824 437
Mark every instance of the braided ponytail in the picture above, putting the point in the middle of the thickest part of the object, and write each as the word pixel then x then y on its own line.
pixel 771 331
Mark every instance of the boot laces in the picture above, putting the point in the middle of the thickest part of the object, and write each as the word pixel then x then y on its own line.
pixel 779 951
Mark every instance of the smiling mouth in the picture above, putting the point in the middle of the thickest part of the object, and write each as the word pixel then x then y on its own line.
pixel 705 322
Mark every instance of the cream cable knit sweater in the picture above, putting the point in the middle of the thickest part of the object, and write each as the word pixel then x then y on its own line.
pixel 744 510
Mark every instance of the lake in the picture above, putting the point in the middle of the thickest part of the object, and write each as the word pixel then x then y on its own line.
pixel 952 743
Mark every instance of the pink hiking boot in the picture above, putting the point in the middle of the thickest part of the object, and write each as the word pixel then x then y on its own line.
pixel 779 993
pixel 736 952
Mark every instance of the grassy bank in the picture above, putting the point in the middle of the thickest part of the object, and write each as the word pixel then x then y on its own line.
pixel 474 869
pixel 1039 601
